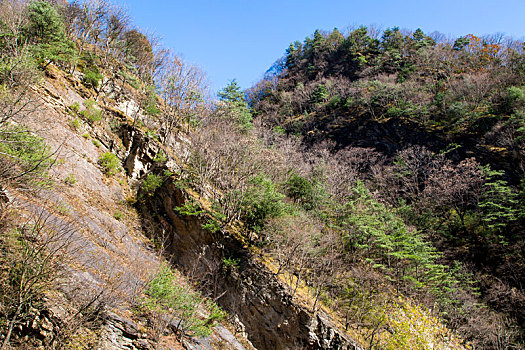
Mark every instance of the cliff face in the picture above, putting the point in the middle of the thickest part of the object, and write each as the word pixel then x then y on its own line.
pixel 109 259
pixel 112 257
pixel 262 305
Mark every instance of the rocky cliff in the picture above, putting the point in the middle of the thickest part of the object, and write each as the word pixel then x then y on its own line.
pixel 113 254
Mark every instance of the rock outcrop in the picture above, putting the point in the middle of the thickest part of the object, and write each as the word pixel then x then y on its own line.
pixel 264 307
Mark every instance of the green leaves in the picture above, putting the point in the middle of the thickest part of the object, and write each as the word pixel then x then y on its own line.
pixel 166 295
pixel 499 202
pixel 46 31
pixel 25 149
pixel 151 183
pixel 110 163
pixel 45 24
pixel 376 233
pixel 190 208
pixel 261 202
pixel 236 107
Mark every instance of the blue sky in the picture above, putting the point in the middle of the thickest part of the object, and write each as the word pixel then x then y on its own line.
pixel 242 38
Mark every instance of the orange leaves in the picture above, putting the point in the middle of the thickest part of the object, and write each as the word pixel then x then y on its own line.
pixel 485 52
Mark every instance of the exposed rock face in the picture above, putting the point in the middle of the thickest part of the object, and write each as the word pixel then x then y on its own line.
pixel 110 259
pixel 115 255
pixel 263 305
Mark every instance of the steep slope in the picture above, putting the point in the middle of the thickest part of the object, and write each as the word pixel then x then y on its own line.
pixel 433 129
pixel 109 261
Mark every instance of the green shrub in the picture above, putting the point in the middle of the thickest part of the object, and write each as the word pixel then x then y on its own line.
pixel 26 149
pixel 319 95
pixel 335 102
pixel 230 263
pixel 236 107
pixel 70 179
pixel 301 190
pixel 279 130
pixel 514 99
pixel 75 107
pixel 376 232
pixel 212 226
pixel 130 78
pixel 110 163
pixel 261 202
pixel 92 114
pixel 150 107
pixel 75 124
pixel 151 134
pixel 160 157
pixel 118 215
pixel 46 30
pixel 499 203
pixel 96 143
pixel 166 296
pixel 91 79
pixel 190 208
pixel 151 183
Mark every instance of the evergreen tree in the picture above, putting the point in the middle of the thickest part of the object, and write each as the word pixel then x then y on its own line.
pixel 236 106
pixel 46 30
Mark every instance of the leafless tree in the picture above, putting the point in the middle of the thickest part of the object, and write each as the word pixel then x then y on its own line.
pixel 85 22
pixel 182 87
pixel 34 254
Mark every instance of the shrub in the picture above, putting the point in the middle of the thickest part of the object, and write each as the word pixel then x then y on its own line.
pixel 75 107
pixel 131 79
pixel 46 30
pixel 212 226
pixel 319 95
pixel 301 190
pixel 75 124
pixel 262 201
pixel 236 107
pixel 27 150
pixel 150 104
pixel 91 79
pixel 190 208
pixel 70 179
pixel 92 114
pixel 166 296
pixel 118 215
pixel 110 163
pixel 151 183
pixel 160 158
pixel 514 99
pixel 230 263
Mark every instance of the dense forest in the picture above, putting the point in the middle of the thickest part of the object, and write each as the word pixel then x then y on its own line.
pixel 430 135
pixel 378 174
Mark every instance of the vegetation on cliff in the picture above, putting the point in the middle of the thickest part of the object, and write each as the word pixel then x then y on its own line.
pixel 51 54
pixel 430 131
pixel 380 176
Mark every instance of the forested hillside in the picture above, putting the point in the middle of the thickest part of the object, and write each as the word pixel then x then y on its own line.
pixel 368 193
pixel 431 136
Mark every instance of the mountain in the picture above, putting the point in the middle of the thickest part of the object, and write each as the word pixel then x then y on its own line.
pixel 365 194
pixel 434 129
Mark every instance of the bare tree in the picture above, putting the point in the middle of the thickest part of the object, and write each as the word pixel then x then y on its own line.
pixel 113 47
pixel 459 187
pixel 33 257
pixel 85 22
pixel 182 87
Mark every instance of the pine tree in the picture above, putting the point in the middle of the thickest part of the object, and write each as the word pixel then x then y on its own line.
pixel 46 31
pixel 236 106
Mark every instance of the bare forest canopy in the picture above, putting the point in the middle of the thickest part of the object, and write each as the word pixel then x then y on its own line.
pixel 380 175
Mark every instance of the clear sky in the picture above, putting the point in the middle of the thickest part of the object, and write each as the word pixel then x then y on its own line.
pixel 242 38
